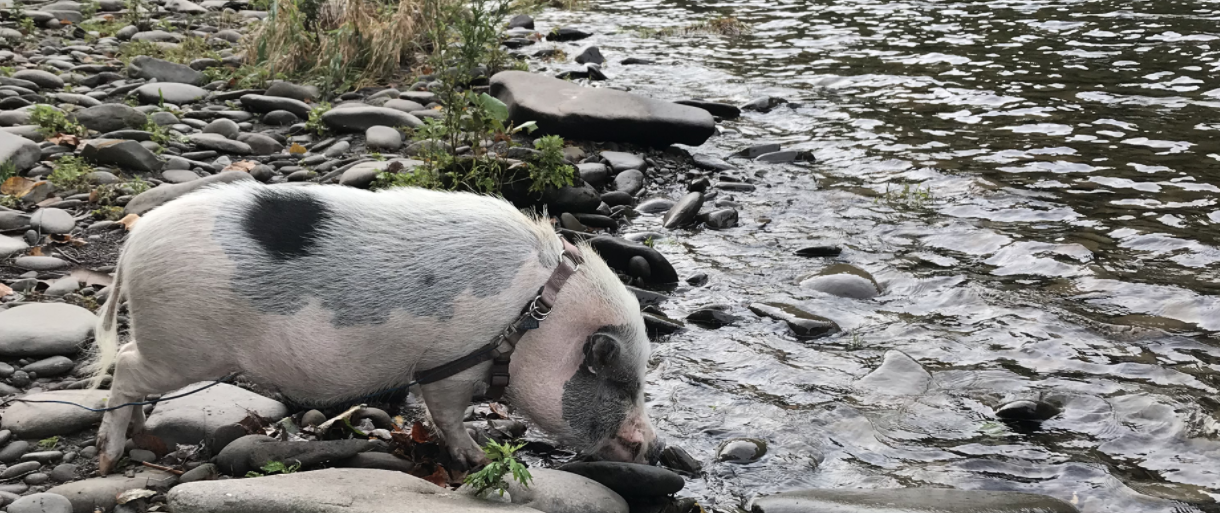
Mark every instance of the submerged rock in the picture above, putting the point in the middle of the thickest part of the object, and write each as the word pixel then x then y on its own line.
pixel 618 253
pixel 685 212
pixel 599 114
pixel 1026 410
pixel 843 280
pixel 898 374
pixel 741 450
pixel 803 324
pixel 909 500
pixel 712 318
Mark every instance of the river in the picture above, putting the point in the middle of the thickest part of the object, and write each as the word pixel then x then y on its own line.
pixel 1068 251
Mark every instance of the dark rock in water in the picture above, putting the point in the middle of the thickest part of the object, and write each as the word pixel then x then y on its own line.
pixel 569 221
pixel 638 267
pixel 764 104
pixel 803 324
pixel 786 156
pixel 819 251
pixel 697 280
pixel 700 185
pixel 711 163
pixel 629 480
pixel 599 114
pixel 909 500
pixel 152 68
pixel 655 206
pixel 575 198
pixel 635 60
pixel 517 42
pixel 659 325
pixel 721 219
pixel 597 221
pixel 741 450
pixel 521 21
pixel 591 54
pixel 110 117
pixel 630 181
pixel 618 253
pixel 645 297
pixel 616 198
pixel 253 451
pixel 684 212
pixel 735 186
pixel 567 34
pixel 124 154
pixel 843 280
pixel 1025 410
pixel 678 459
pixel 720 110
pixel 712 318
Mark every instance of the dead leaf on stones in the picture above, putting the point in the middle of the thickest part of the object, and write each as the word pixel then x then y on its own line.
pixel 129 221
pixel 420 434
pixel 18 186
pixel 5 290
pixel 133 495
pixel 90 277
pixel 48 202
pixel 500 410
pixel 241 165
pixel 254 424
pixel 65 140
pixel 150 442
pixel 438 477
pixel 296 149
pixel 36 251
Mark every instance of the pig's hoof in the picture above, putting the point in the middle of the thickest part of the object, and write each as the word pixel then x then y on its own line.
pixel 465 460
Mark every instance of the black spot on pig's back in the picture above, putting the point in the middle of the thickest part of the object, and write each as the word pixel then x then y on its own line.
pixel 285 224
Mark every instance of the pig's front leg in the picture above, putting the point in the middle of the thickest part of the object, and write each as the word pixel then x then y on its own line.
pixel 447 400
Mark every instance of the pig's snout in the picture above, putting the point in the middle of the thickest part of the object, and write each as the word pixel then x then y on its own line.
pixel 636 442
pixel 653 454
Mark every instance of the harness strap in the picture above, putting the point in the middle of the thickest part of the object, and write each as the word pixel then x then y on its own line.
pixel 500 349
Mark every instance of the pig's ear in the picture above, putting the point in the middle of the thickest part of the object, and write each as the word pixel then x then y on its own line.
pixel 601 349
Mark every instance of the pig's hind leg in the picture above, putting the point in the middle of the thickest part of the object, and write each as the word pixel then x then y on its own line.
pixel 447 400
pixel 134 378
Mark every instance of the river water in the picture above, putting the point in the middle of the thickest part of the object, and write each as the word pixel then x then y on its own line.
pixel 1071 149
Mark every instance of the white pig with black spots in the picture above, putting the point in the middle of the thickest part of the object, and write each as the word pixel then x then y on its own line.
pixel 329 293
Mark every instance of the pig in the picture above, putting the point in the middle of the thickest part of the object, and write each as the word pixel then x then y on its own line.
pixel 329 293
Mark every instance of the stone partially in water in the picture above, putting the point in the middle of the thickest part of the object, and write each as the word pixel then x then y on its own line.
pixel 843 280
pixel 898 374
pixel 819 251
pixel 712 318
pixel 742 450
pixel 660 325
pixel 684 212
pixel 803 324
pixel 1026 410
pixel 599 114
pixel 629 479
pixel 678 459
pixel 618 253
pixel 909 500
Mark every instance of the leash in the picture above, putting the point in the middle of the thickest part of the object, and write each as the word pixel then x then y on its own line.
pixel 499 350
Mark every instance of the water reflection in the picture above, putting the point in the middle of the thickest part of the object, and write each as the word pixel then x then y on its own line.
pixel 1069 252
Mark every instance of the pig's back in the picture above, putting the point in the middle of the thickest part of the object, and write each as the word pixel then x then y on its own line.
pixel 262 272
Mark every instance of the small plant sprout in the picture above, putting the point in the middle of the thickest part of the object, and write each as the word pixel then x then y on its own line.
pixel 274 467
pixel 315 123
pixel 550 169
pixel 48 443
pixel 502 462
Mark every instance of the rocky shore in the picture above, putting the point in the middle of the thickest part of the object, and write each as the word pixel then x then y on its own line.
pixel 92 137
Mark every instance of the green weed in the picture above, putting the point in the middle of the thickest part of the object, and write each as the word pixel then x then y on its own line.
pixel 491 477
pixel 274 467
pixel 315 123
pixel 917 198
pixel 108 213
pixel 48 443
pixel 52 121
pixel 71 172
pixel 7 170
pixel 550 169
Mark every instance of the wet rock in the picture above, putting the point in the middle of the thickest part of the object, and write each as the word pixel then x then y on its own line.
pixel 63 473
pixel 638 267
pixel 616 198
pixel 521 21
pixel 659 325
pixel 712 318
pixel 630 181
pixel 620 161
pixel 618 252
pixel 629 480
pixel 195 418
pixel 125 154
pixel 554 491
pixel 110 117
pixel 152 68
pixel 44 329
pixel 21 152
pixel 13 451
pixel 711 163
pixel 252 452
pixel 99 493
pixel 684 213
pixel 157 196
pixel 819 251
pixel 590 55
pixel 20 469
pixel 313 418
pixel 593 173
pixel 41 503
pixel 43 79
pixel 786 156
pixel 407 106
pixel 735 186
pixel 697 280
pixel 205 472
pixel 220 143
pixel 599 114
pixel 677 458
pixel 898 374
pixel 39 263
pixel 360 118
pixel 764 104
pixel 1027 411
pixel 226 128
pixel 290 90
pixel 720 110
pixel 50 367
pixel 655 206
pixel 261 103
pixel 52 221
pixel 741 450
pixel 843 280
pixel 754 151
pixel 170 92
pixel 909 500
pixel 378 460
pixel 42 420
pixel 383 138
pixel 567 34
pixel 721 219
pixel 577 198
pixel 803 324
pixel 343 490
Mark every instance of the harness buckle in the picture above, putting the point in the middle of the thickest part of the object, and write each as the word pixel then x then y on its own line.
pixel 536 312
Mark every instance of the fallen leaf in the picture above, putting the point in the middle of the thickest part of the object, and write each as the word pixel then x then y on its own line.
pixel 129 221
pixel 90 277
pixel 133 494
pixel 241 165
pixel 36 251
pixel 438 477
pixel 67 239
pixel 65 139
pixel 500 410
pixel 18 186
pixel 420 434
pixel 254 424
pixel 5 290
pixel 49 201
pixel 150 442
pixel 296 149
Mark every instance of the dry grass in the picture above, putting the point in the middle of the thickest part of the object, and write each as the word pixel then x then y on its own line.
pixel 726 26
pixel 341 43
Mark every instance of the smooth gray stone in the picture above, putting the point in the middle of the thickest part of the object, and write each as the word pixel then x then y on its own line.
pixel 620 161
pixel 220 143
pixel 42 420
pixel 383 138
pixel 555 491
pixel 11 246
pixel 360 118
pixel 99 493
pixel 22 152
pixel 126 154
pixel 261 103
pixel 39 263
pixel 195 418
pixel 161 194
pixel 41 503
pixel 175 93
pixel 44 79
pixel 684 212
pixel 294 91
pixel 52 221
pixel 152 68
pixel 909 500
pixel 843 280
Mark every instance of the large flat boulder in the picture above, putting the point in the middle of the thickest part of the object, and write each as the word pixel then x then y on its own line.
pixel 598 114
pixel 195 418
pixel 91 495
pixel 336 490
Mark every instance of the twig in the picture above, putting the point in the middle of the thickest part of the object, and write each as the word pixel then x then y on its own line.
pixel 159 467
pixel 342 416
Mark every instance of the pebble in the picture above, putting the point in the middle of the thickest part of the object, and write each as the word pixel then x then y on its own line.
pixel 1026 410
pixel 63 472
pixel 20 469
pixel 43 456
pixel 843 280
pixel 42 420
pixel 226 128
pixel 819 251
pixel 313 418
pixel 803 324
pixel 721 219
pixel 13 451
pixel 741 450
pixel 383 138
pixel 37 478
pixel 360 118
pixel 712 318
pixel 205 472
pixel 630 181
pixel 39 263
pixel 50 367
pixel 142 455
pixel 684 212
pixel 620 161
